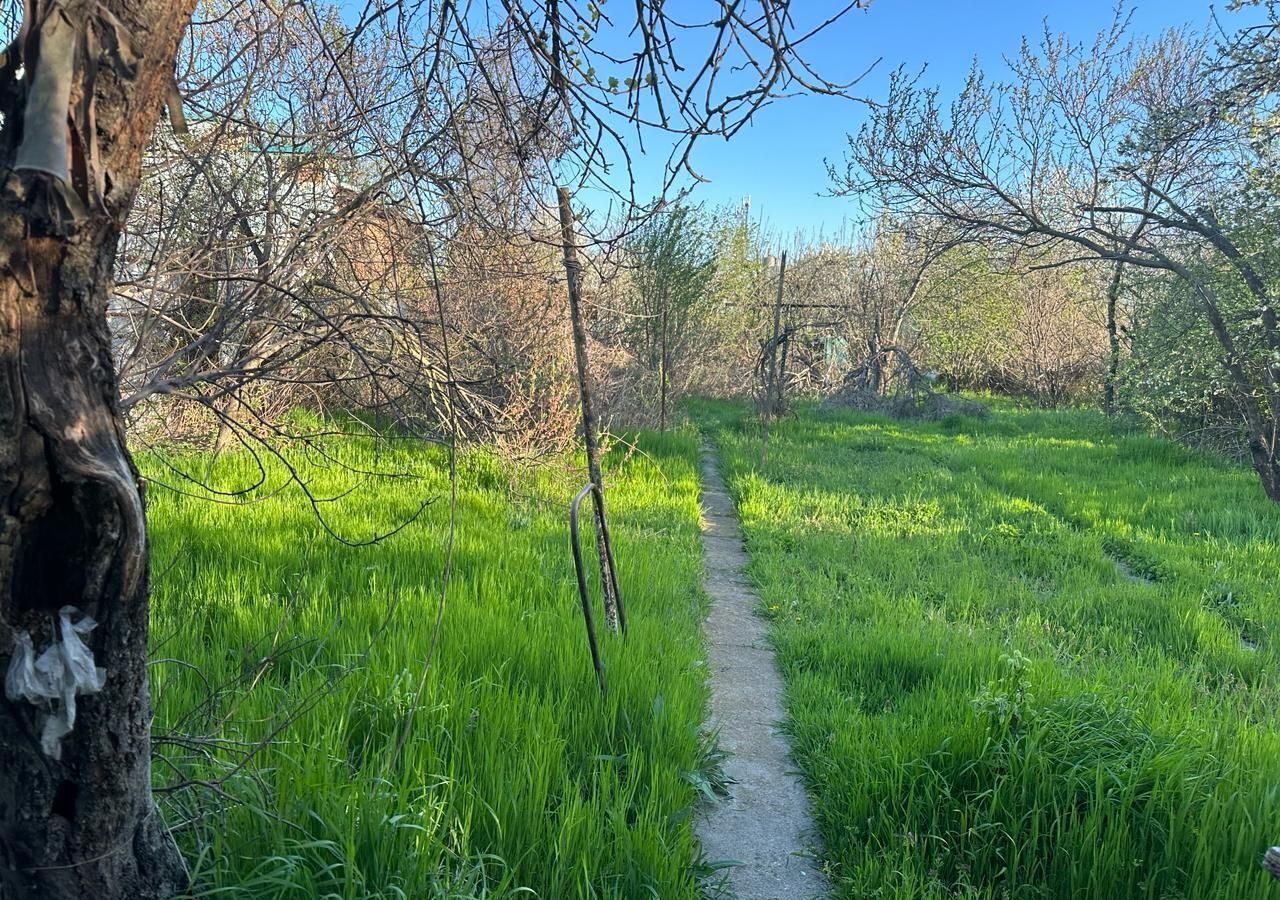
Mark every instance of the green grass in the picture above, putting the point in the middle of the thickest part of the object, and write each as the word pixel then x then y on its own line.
pixel 984 701
pixel 517 779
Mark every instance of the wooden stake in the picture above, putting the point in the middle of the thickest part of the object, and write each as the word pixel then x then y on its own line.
pixel 768 406
pixel 614 616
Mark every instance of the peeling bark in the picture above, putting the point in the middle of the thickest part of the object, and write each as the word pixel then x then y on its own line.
pixel 72 525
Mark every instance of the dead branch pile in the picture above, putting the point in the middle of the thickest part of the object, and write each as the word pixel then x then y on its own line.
pixel 909 394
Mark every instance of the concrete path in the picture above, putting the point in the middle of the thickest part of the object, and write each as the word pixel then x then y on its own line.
pixel 764 824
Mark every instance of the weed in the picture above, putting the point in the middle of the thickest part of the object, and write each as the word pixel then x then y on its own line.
pixel 517 779
pixel 982 703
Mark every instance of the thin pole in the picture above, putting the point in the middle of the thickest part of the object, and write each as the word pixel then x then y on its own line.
pixel 580 571
pixel 767 410
pixel 614 616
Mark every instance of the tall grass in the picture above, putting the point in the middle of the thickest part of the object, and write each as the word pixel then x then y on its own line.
pixel 1028 657
pixel 517 778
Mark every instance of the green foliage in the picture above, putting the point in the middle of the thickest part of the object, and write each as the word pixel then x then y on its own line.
pixel 1174 378
pixel 984 702
pixel 1020 325
pixel 968 316
pixel 674 258
pixel 740 266
pixel 516 779
pixel 737 314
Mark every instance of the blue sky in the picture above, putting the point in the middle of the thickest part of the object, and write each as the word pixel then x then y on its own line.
pixel 778 161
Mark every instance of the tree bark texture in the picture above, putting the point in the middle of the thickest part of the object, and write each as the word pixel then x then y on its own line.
pixel 72 529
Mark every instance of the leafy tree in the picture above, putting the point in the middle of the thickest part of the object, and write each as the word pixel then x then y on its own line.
pixel 735 317
pixel 674 259
pixel 967 317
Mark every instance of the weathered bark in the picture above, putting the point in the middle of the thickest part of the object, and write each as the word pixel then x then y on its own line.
pixel 875 365
pixel 72 531
pixel 1113 302
pixel 1266 465
pixel 573 271
pixel 777 336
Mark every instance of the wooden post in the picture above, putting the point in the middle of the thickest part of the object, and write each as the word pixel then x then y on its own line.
pixel 780 383
pixel 613 616
pixel 662 364
pixel 767 407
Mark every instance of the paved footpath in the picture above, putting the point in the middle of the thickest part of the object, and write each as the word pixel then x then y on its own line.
pixel 765 823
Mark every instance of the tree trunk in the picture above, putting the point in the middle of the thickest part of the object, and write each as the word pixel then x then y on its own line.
pixel 875 365
pixel 1113 342
pixel 780 400
pixel 1259 420
pixel 1266 465
pixel 73 532
pixel 662 379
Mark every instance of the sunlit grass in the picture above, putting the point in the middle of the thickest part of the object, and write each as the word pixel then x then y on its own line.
pixel 1030 656
pixel 517 778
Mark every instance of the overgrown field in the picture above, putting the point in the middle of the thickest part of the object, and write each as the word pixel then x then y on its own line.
pixel 1026 657
pixel 516 779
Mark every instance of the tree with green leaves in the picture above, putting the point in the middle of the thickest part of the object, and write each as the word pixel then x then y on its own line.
pixel 674 260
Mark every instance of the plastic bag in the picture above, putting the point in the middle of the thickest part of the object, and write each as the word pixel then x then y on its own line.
pixel 53 679
pixel 44 121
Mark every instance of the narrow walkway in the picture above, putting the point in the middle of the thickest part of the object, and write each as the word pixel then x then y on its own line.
pixel 764 824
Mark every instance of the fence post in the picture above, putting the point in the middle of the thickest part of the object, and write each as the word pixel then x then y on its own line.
pixel 614 615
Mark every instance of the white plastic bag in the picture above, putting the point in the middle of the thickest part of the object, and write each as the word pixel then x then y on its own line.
pixel 53 679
